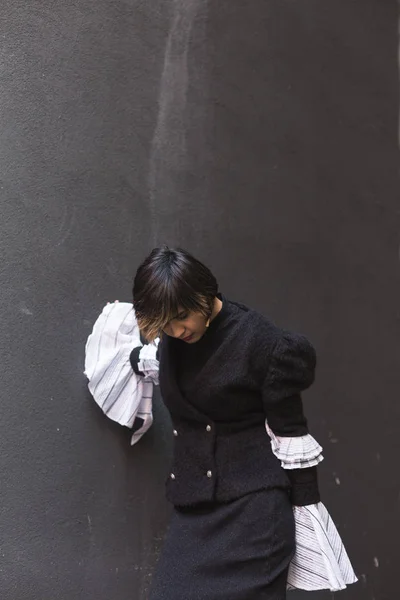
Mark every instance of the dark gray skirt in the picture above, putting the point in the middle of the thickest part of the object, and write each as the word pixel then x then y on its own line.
pixel 237 550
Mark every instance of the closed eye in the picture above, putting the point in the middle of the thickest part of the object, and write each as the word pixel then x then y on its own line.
pixel 182 316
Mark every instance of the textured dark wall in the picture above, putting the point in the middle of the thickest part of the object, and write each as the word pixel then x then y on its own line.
pixel 263 137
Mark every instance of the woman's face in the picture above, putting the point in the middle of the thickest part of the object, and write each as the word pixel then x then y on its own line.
pixel 187 326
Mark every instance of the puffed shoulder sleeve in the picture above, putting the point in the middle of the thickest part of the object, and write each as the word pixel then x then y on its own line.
pixel 291 371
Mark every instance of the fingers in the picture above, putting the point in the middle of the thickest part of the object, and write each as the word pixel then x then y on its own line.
pixel 116 301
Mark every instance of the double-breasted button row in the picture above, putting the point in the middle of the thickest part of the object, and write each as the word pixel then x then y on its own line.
pixel 208 428
pixel 209 474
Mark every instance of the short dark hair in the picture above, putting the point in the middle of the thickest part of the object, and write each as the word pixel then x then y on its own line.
pixel 167 281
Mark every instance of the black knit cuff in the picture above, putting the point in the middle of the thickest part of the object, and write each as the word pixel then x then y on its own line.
pixel 134 359
pixel 304 488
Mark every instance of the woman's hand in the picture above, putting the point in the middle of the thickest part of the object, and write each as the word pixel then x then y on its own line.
pixel 114 301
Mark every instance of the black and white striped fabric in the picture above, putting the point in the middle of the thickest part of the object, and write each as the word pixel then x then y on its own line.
pixel 320 561
pixel 148 363
pixel 121 395
pixel 295 452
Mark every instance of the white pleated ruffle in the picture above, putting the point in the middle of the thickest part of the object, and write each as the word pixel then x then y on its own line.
pixel 321 561
pixel 121 394
pixel 148 364
pixel 295 452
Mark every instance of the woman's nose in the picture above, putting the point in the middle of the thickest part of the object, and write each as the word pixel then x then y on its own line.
pixel 177 330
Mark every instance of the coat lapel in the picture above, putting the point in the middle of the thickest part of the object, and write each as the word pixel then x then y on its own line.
pixel 175 401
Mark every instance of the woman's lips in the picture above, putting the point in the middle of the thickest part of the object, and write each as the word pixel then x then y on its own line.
pixel 189 337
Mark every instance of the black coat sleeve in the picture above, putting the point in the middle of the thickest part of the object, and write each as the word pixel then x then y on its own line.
pixel 134 359
pixel 291 371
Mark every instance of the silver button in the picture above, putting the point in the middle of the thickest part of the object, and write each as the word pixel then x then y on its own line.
pixel 172 476
pixel 208 428
pixel 209 474
pixel 175 432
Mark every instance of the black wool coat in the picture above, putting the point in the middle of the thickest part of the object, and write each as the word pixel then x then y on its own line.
pixel 221 450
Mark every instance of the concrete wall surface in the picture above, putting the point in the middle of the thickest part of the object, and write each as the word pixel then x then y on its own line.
pixel 261 136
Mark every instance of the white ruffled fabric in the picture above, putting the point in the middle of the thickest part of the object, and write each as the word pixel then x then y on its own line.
pixel 295 452
pixel 320 561
pixel 148 364
pixel 122 395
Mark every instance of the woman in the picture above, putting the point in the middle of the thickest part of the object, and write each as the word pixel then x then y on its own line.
pixel 247 521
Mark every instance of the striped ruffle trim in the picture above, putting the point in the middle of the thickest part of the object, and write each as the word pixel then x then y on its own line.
pixel 321 561
pixel 122 395
pixel 295 452
pixel 148 364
